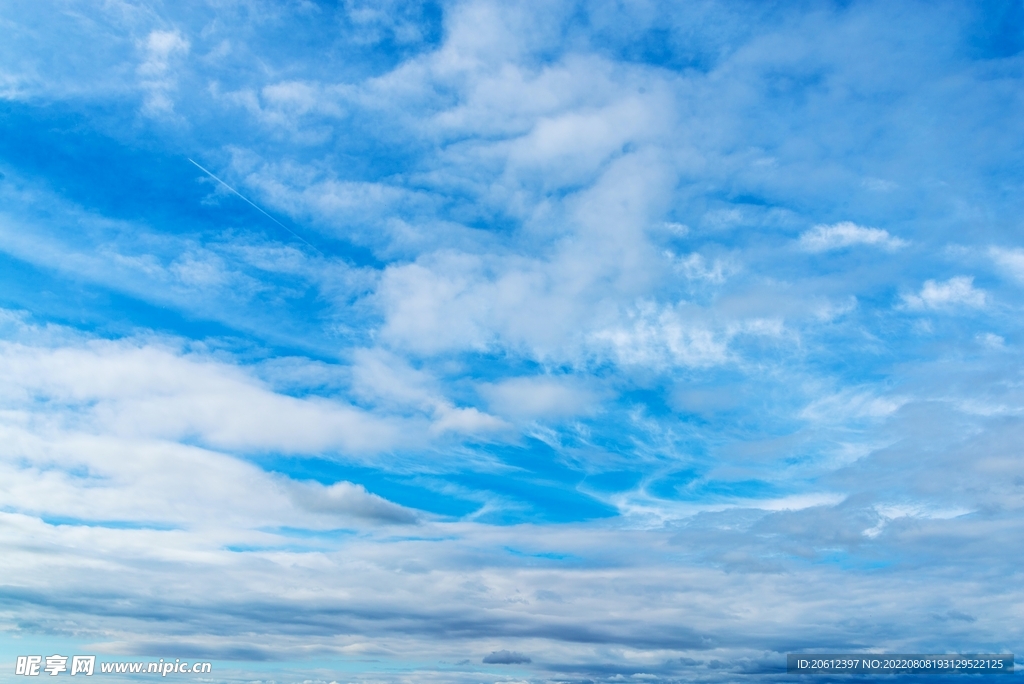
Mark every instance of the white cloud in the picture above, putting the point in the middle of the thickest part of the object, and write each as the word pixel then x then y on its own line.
pixel 1010 261
pixel 548 302
pixel 823 238
pixel 388 382
pixel 443 304
pixel 829 310
pixel 991 340
pixel 658 336
pixel 302 110
pixel 539 397
pixel 149 390
pixel 956 291
pixel 200 270
pixel 467 420
pixel 889 512
pixel 63 471
pixel 568 148
pixel 160 47
pixel 851 404
pixel 157 76
pixel 797 502
pixel 696 267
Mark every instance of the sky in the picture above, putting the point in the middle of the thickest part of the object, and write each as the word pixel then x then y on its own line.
pixel 521 341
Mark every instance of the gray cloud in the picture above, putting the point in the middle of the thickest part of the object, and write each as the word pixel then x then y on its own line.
pixel 345 498
pixel 504 657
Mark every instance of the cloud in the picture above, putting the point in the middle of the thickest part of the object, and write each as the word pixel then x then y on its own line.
pixel 465 420
pixel 889 512
pixel 991 340
pixel 345 498
pixel 695 267
pixel 157 77
pixel 824 238
pixel 441 305
pixel 957 291
pixel 540 397
pixel 851 404
pixel 511 402
pixel 234 281
pixel 390 381
pixel 147 389
pixel 504 657
pixel 1010 261
pixel 655 336
pixel 302 111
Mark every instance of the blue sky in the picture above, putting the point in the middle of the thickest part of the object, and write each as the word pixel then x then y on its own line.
pixel 629 341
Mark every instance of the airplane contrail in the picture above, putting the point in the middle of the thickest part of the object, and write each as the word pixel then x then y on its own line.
pixel 252 204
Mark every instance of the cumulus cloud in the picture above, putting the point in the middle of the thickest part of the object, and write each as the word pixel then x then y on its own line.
pixel 824 238
pixel 957 291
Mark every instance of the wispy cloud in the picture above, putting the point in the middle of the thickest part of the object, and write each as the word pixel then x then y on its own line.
pixel 1010 261
pixel 824 238
pixel 156 73
pixel 541 397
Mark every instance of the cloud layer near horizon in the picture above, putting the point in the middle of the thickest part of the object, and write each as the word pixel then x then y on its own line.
pixel 530 341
